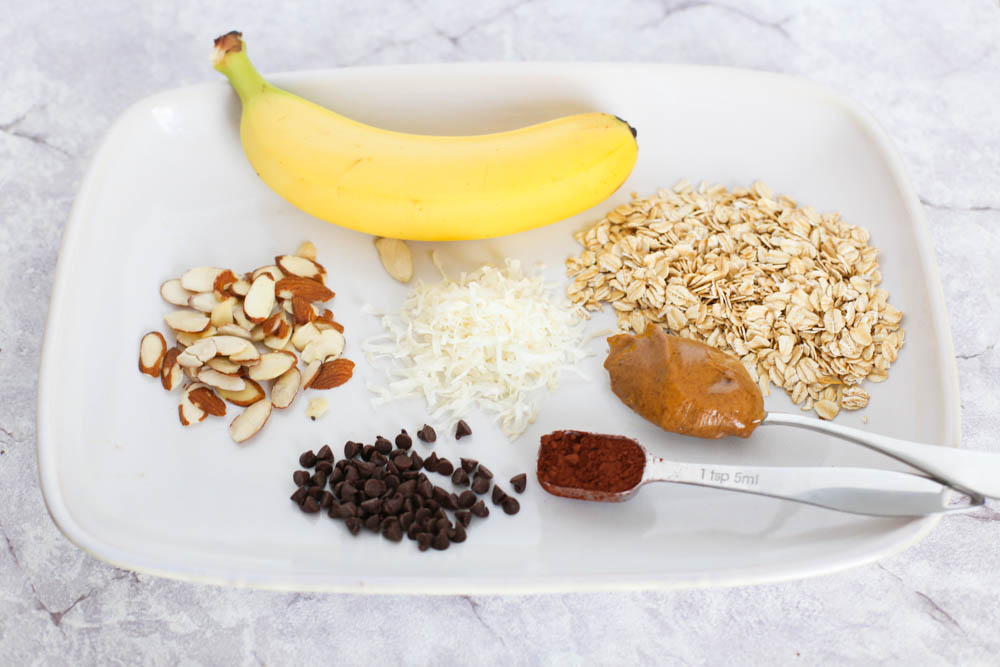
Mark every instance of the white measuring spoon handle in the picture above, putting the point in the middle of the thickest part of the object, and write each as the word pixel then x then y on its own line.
pixel 856 490
pixel 972 472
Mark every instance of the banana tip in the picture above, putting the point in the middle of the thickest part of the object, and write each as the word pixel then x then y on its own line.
pixel 635 132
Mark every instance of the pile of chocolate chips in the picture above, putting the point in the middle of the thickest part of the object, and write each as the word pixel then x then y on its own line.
pixel 384 489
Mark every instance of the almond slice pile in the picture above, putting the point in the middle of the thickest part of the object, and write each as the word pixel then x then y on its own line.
pixel 237 334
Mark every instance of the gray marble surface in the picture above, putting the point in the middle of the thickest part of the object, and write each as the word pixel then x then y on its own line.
pixel 929 72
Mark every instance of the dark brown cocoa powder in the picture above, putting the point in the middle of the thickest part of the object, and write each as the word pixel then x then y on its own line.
pixel 590 461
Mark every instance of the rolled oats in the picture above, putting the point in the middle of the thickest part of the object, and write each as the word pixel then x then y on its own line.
pixel 791 291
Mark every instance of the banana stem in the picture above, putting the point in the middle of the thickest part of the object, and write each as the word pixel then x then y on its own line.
pixel 231 59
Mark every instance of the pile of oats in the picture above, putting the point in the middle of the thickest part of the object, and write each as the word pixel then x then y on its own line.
pixel 791 292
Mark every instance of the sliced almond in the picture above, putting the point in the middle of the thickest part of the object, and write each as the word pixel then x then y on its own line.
pixel 332 374
pixel 171 374
pixel 270 270
pixel 257 334
pixel 329 343
pixel 228 346
pixel 307 250
pixel 240 318
pixel 270 325
pixel 260 299
pixel 223 283
pixel 188 339
pixel 272 365
pixel 279 340
pixel 173 292
pixel 205 398
pixel 223 365
pixel 286 305
pixel 310 373
pixel 204 349
pixel 249 423
pixel 235 330
pixel 304 334
pixel 204 302
pixel 187 360
pixel 214 378
pixel 305 288
pixel 317 408
pixel 189 412
pixel 293 265
pixel 302 310
pixel 396 258
pixel 152 349
pixel 200 279
pixel 248 356
pixel 222 314
pixel 285 388
pixel 251 393
pixel 189 321
pixel 240 287
pixel 325 321
pixel 191 373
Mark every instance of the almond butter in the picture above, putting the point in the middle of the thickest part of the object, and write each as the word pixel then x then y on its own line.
pixel 305 288
pixel 333 373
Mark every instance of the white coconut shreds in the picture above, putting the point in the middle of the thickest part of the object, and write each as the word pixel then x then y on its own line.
pixel 493 340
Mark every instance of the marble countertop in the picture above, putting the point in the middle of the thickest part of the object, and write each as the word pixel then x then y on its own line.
pixel 927 70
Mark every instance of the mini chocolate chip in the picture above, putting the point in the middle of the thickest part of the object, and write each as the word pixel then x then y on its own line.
pixel 406 520
pixel 310 506
pixel 379 459
pixel 300 477
pixel 392 505
pixel 365 469
pixel 324 466
pixel 510 505
pixel 402 462
pixel 444 467
pixel 371 506
pixel 408 487
pixel 498 495
pixel 410 503
pixel 403 440
pixel 348 492
pixel 373 522
pixel 337 476
pixel 485 472
pixel 468 465
pixel 334 510
pixel 480 509
pixel 391 529
pixel 431 462
pixel 319 479
pixel 366 452
pixel 307 459
pixel 422 515
pixel 432 505
pixel 352 474
pixel 300 495
pixel 440 494
pixel 466 499
pixel 409 474
pixel 418 461
pixel 374 488
pixel 325 453
pixel 424 541
pixel 452 501
pixel 519 482
pixel 382 445
pixel 315 492
pixel 460 478
pixel 391 468
pixel 441 541
pixel 354 525
pixel 464 517
pixel 480 484
pixel 425 488
pixel 348 510
pixel 351 449
pixel 462 430
pixel 427 434
pixel 442 524
pixel 327 500
pixel 341 464
pixel 392 482
pixel 457 534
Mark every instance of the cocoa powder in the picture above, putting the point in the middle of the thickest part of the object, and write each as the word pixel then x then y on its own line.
pixel 590 461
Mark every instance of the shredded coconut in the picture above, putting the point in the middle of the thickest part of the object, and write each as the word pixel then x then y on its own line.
pixel 493 340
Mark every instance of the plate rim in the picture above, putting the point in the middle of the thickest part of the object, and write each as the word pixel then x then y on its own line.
pixel 101 550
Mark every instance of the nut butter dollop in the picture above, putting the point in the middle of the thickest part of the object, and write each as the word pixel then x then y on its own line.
pixel 682 385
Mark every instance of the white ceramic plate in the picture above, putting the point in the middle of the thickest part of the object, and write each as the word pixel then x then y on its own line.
pixel 169 189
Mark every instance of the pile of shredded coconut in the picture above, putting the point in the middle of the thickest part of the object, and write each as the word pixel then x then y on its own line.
pixel 492 340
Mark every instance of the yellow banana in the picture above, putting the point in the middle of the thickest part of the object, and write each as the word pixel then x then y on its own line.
pixel 418 187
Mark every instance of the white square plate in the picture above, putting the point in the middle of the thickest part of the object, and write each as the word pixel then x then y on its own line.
pixel 169 189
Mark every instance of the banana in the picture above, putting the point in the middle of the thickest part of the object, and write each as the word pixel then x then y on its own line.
pixel 419 187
